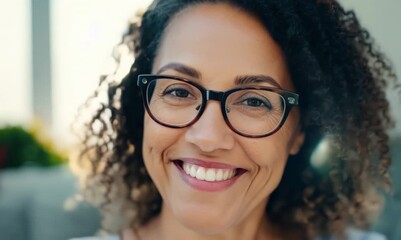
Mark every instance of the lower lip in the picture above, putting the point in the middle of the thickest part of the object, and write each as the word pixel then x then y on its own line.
pixel 206 185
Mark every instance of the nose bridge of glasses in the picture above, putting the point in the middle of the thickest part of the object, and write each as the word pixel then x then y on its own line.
pixel 214 95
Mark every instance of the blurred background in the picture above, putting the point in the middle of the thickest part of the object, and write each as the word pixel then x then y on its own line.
pixel 52 53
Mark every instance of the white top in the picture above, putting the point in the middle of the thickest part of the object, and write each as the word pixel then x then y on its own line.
pixel 352 234
pixel 355 234
pixel 98 238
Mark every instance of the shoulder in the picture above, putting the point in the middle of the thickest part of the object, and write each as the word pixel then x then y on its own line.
pixel 98 238
pixel 355 234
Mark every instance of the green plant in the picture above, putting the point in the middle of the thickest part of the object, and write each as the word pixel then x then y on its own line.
pixel 19 147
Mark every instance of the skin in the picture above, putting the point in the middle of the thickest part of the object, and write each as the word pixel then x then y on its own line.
pixel 221 43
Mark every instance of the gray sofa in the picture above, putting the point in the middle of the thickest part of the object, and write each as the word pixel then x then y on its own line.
pixel 32 206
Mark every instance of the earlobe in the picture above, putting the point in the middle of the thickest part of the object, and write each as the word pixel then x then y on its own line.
pixel 297 142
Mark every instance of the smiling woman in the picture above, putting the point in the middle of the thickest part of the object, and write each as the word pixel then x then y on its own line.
pixel 209 136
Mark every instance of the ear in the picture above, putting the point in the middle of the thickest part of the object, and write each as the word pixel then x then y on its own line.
pixel 297 141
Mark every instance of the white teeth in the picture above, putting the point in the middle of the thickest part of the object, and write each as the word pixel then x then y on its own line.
pixel 225 175
pixel 208 174
pixel 219 175
pixel 193 170
pixel 200 173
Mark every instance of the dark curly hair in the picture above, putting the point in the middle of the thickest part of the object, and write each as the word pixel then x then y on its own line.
pixel 341 77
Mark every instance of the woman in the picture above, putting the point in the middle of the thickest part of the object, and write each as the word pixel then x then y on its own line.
pixel 210 134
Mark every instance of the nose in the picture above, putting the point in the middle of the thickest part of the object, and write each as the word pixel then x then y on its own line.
pixel 210 132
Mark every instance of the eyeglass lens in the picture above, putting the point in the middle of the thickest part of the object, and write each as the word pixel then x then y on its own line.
pixel 249 111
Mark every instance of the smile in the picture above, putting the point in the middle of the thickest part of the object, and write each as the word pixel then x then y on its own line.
pixel 207 176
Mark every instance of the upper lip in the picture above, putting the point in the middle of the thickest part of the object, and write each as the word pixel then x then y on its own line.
pixel 207 164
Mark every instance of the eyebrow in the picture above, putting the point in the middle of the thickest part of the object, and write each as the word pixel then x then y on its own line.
pixel 239 80
pixel 247 79
pixel 181 68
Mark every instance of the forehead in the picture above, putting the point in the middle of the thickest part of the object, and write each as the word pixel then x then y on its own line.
pixel 221 42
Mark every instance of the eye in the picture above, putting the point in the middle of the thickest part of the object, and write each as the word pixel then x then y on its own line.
pixel 177 92
pixel 257 102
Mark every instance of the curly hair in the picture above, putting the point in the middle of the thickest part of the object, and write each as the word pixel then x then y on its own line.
pixel 341 77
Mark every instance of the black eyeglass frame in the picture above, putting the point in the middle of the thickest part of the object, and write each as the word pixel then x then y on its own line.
pixel 291 99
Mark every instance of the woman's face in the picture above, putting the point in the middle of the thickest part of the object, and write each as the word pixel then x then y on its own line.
pixel 220 43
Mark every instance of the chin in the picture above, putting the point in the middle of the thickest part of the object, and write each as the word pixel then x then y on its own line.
pixel 205 222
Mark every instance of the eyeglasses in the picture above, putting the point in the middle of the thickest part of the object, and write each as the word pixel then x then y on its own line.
pixel 250 111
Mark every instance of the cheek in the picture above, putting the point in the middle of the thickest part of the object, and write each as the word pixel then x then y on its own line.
pixel 156 142
pixel 270 151
pixel 156 138
pixel 269 157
